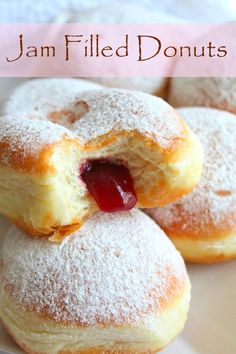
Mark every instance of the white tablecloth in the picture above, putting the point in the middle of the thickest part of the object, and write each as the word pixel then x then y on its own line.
pixel 46 11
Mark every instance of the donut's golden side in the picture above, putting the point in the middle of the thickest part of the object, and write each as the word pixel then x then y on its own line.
pixel 206 250
pixel 38 335
pixel 41 196
pixel 202 225
pixel 44 195
pixel 163 90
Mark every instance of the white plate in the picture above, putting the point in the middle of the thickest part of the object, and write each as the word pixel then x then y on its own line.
pixel 211 325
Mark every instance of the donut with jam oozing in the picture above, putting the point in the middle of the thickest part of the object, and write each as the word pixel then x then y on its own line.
pixel 47 147
pixel 110 185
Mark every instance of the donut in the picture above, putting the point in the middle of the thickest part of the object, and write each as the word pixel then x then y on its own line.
pixel 126 13
pixel 117 285
pixel 213 92
pixel 202 224
pixel 46 94
pixel 122 149
pixel 157 86
pixel 6 86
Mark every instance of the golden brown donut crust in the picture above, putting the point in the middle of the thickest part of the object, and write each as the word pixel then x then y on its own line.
pixel 202 224
pixel 89 351
pixel 92 291
pixel 138 130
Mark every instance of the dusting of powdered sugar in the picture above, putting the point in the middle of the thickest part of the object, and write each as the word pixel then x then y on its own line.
pixel 119 110
pixel 150 85
pixel 27 137
pixel 45 95
pixel 116 268
pixel 92 113
pixel 213 201
pixel 216 92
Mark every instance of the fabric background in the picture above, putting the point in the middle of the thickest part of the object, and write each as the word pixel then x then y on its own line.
pixel 48 11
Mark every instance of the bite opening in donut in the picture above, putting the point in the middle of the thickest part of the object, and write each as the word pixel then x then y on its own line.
pixel 110 184
pixel 43 152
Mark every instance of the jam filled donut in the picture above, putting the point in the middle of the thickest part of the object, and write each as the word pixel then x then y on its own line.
pixel 91 293
pixel 214 92
pixel 202 224
pixel 122 149
pixel 126 13
pixel 46 94
pixel 154 85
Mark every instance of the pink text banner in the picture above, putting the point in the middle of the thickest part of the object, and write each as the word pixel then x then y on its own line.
pixel 118 50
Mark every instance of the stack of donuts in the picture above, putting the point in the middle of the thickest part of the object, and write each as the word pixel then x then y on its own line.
pixel 107 189
pixel 84 270
pixel 108 193
pixel 202 224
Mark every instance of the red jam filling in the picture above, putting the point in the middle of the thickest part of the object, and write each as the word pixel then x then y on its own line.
pixel 110 185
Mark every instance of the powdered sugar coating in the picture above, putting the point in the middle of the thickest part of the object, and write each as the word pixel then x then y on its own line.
pixel 119 110
pixel 94 113
pixel 212 204
pixel 116 268
pixel 26 136
pixel 152 85
pixel 215 92
pixel 46 95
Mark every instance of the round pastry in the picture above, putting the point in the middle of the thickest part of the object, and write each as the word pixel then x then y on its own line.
pixel 214 92
pixel 121 148
pixel 46 94
pixel 154 85
pixel 126 13
pixel 118 285
pixel 202 224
